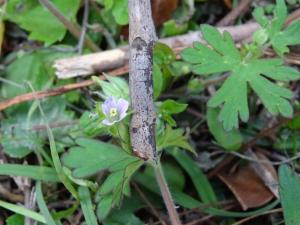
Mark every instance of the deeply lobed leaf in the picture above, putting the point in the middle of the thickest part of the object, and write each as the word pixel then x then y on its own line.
pixel 259 74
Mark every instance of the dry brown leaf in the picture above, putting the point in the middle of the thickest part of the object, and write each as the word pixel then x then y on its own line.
pixel 247 187
pixel 266 172
pixel 228 3
pixel 162 10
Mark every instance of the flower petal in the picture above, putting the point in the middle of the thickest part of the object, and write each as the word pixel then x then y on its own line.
pixel 114 102
pixel 105 109
pixel 122 106
pixel 107 122
pixel 122 115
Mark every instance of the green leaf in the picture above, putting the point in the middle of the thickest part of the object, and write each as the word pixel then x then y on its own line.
pixel 125 215
pixel 179 68
pixel 117 182
pixel 107 3
pixel 233 95
pixel 173 138
pixel 294 124
pixel 22 133
pixel 90 126
pixel 171 28
pixel 42 205
pixel 280 14
pixel 20 137
pixel 279 39
pixel 23 211
pixel 163 57
pixel 163 54
pixel 15 219
pixel 120 175
pixel 42 25
pixel 40 173
pixel 91 156
pixel 200 181
pixel 195 86
pixel 289 192
pixel 115 86
pixel 230 140
pixel 35 67
pixel 169 107
pixel 172 107
pixel 260 17
pixel 87 206
pixel 287 37
pixel 157 81
pixel 120 11
pixel 104 206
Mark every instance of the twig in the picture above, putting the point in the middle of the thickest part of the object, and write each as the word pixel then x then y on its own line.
pixel 56 91
pixel 166 195
pixel 235 13
pixel 74 29
pixel 54 125
pixel 267 131
pixel 255 216
pixel 101 27
pixel 148 203
pixel 10 196
pixel 248 158
pixel 84 26
pixel 292 17
pixel 29 200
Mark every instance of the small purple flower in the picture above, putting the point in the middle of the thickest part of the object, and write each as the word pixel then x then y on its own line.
pixel 114 110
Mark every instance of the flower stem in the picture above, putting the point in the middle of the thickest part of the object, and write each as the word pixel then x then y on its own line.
pixel 164 189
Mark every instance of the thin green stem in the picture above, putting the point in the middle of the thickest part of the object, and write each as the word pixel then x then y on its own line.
pixel 164 189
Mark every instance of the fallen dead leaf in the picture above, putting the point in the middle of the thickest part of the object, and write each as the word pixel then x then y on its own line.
pixel 266 172
pixel 247 187
pixel 162 10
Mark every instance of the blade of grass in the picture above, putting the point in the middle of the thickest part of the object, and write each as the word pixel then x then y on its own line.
pixel 191 203
pixel 58 167
pixel 65 213
pixel 23 211
pixel 54 154
pixel 200 181
pixel 289 193
pixel 41 173
pixel 42 205
pixel 87 206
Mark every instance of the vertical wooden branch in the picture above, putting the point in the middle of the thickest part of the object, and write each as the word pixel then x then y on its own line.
pixel 141 39
pixel 142 128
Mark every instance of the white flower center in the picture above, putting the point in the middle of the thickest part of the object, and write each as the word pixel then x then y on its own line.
pixel 113 112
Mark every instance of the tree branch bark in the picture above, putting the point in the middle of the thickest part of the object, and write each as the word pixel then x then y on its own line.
pixel 142 126
pixel 141 40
